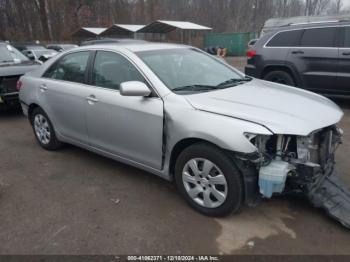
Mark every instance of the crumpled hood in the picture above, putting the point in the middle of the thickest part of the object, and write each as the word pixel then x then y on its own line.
pixel 280 108
pixel 13 69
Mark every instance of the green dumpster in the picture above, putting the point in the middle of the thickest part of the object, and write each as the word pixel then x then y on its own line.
pixel 236 43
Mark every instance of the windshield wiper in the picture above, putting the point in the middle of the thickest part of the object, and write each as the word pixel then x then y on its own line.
pixel 195 88
pixel 235 81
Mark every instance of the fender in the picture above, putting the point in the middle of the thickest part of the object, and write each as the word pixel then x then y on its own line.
pixel 286 65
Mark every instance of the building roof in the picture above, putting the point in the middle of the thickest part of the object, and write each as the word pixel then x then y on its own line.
pixel 121 29
pixel 131 28
pixel 89 31
pixel 163 26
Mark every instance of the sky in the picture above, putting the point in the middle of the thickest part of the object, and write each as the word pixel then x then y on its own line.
pixel 346 3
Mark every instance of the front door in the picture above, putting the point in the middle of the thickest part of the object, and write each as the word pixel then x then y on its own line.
pixel 129 127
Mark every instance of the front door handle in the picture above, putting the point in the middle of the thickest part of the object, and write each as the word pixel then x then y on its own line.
pixel 92 99
pixel 297 52
pixel 43 88
pixel 346 53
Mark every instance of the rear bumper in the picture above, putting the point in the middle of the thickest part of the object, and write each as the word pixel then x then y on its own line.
pixel 25 108
pixel 9 100
pixel 251 70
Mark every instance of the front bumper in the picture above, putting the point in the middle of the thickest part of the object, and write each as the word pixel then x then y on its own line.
pixel 329 194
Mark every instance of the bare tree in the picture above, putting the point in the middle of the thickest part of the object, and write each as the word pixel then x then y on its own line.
pixel 57 19
pixel 316 7
pixel 42 7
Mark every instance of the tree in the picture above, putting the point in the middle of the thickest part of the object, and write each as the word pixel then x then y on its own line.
pixel 44 15
pixel 57 19
pixel 316 7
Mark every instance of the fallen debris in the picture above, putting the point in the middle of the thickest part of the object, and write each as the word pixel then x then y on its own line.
pixel 331 195
pixel 59 231
pixel 115 201
pixel 251 244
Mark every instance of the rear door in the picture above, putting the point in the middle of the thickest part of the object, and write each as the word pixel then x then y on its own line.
pixel 343 81
pixel 315 58
pixel 63 95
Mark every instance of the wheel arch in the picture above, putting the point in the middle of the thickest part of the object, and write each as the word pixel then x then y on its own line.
pixel 286 68
pixel 31 109
pixel 180 146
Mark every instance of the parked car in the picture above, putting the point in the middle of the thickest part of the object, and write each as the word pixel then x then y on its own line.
pixel 39 55
pixel 13 64
pixel 112 41
pixel 251 43
pixel 28 46
pixel 312 56
pixel 61 47
pixel 184 115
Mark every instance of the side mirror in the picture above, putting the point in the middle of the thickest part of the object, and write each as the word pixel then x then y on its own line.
pixel 134 88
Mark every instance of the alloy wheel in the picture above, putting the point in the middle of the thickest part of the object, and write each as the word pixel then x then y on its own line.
pixel 42 129
pixel 204 182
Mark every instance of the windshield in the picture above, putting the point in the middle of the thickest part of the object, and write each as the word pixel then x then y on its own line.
pixel 10 54
pixel 190 70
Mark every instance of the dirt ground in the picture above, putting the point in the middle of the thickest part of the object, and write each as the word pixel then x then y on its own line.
pixel 76 202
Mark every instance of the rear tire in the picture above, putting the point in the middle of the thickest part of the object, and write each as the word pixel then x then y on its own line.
pixel 208 180
pixel 44 131
pixel 280 77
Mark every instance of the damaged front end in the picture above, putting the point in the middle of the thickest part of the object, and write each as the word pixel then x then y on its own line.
pixel 304 165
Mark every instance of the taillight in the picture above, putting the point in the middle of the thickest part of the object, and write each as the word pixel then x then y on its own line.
pixel 19 85
pixel 251 53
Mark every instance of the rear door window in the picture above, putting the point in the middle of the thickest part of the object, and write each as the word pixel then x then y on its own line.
pixel 285 39
pixel 319 37
pixel 71 67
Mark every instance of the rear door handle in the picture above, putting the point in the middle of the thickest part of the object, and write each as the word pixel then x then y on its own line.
pixel 297 52
pixel 43 88
pixel 92 99
pixel 346 53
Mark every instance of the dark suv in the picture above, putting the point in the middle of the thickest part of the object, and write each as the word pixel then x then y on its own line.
pixel 13 64
pixel 314 56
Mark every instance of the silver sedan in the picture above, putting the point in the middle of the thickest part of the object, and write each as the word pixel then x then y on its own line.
pixel 225 138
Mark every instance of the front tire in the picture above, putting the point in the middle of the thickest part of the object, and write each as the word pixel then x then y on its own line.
pixel 208 180
pixel 44 131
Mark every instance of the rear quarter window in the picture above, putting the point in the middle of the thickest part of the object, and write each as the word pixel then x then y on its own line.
pixel 319 37
pixel 346 37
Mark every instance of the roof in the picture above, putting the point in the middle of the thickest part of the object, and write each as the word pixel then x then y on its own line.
pixel 273 30
pixel 163 26
pixel 121 29
pixel 302 20
pixel 111 41
pixel 135 47
pixel 89 31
